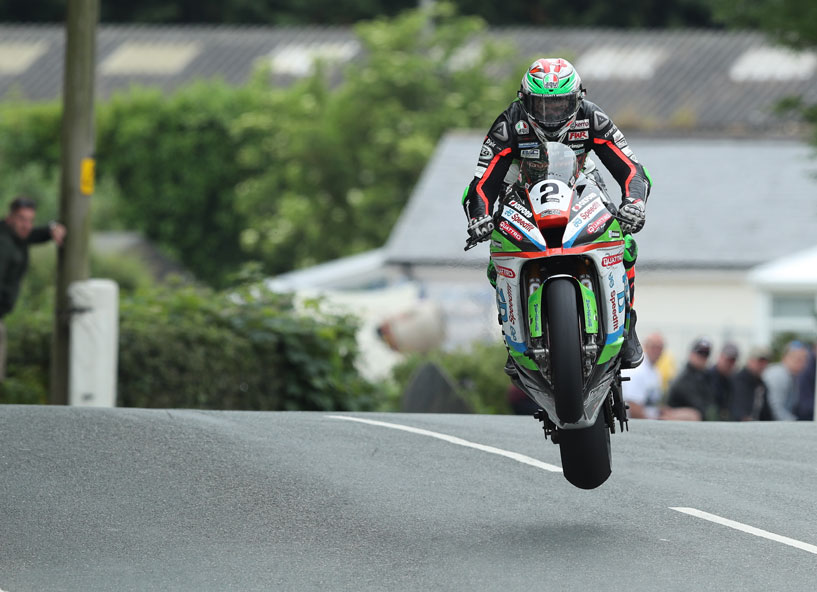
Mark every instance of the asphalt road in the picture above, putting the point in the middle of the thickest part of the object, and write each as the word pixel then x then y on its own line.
pixel 125 499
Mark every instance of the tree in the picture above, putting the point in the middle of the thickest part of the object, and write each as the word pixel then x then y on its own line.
pixel 793 22
pixel 556 13
pixel 337 163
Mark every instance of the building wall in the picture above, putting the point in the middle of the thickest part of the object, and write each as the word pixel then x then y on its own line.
pixel 682 305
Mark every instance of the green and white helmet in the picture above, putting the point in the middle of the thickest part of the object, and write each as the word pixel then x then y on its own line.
pixel 551 94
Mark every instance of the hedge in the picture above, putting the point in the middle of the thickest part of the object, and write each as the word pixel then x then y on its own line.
pixel 191 347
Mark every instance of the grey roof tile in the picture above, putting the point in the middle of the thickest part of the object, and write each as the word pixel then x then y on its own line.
pixel 690 88
pixel 716 203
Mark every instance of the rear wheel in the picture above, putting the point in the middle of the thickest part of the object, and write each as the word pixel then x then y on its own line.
pixel 585 452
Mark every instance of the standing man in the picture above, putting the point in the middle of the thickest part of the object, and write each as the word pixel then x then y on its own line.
pixel 721 374
pixel 693 389
pixel 780 378
pixel 17 232
pixel 643 391
pixel 750 395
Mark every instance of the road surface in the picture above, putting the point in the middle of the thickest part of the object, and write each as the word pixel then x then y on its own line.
pixel 128 499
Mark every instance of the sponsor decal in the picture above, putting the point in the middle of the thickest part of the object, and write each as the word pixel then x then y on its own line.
pixel 521 222
pixel 590 210
pixel 500 131
pixel 486 153
pixel 600 120
pixel 528 144
pixel 511 316
pixel 522 127
pixel 584 201
pixel 489 142
pixel 580 124
pixel 530 153
pixel 501 305
pixel 619 139
pixel 505 271
pixel 599 224
pixel 614 309
pixel 576 136
pixel 510 230
pixel 479 172
pixel 520 208
pixel 615 234
pixel 611 260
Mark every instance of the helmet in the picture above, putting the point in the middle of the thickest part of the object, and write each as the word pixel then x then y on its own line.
pixel 551 94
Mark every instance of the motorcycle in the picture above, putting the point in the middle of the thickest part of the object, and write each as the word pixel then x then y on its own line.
pixel 563 301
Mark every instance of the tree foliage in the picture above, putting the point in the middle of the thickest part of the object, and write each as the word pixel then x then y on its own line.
pixel 188 347
pixel 332 175
pixel 288 177
pixel 791 21
pixel 555 13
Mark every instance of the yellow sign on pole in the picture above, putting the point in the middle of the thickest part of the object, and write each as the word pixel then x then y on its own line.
pixel 86 176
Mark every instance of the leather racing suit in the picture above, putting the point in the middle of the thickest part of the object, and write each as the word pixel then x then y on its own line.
pixel 511 138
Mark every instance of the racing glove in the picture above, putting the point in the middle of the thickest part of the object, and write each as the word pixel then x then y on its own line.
pixel 631 215
pixel 480 229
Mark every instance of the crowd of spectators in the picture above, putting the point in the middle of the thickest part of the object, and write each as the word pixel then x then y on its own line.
pixel 722 390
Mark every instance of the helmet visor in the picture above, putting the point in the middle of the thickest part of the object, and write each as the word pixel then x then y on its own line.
pixel 552 110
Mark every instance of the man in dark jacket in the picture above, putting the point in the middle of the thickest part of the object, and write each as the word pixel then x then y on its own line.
pixel 693 388
pixel 17 232
pixel 550 107
pixel 721 374
pixel 750 394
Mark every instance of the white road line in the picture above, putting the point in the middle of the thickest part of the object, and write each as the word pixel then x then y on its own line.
pixel 454 440
pixel 750 529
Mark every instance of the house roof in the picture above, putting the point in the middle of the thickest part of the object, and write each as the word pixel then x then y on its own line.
pixel 677 80
pixel 715 204
pixel 794 271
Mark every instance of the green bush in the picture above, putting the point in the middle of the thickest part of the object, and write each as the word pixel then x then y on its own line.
pixel 476 370
pixel 184 346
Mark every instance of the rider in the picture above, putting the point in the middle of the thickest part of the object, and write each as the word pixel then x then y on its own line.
pixel 550 107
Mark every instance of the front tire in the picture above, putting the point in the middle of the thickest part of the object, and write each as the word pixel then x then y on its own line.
pixel 586 457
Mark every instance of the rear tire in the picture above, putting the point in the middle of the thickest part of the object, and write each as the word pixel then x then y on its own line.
pixel 586 458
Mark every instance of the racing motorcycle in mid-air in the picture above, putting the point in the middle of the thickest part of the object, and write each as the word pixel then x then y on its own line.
pixel 563 301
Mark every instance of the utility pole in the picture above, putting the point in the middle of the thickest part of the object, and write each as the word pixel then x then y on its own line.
pixel 77 178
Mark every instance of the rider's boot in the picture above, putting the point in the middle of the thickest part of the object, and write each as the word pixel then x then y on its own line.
pixel 631 353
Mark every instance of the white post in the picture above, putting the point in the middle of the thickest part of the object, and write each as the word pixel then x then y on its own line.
pixel 94 348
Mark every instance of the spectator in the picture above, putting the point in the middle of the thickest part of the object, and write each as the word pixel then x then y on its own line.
pixel 643 391
pixel 17 232
pixel 750 393
pixel 720 375
pixel 692 389
pixel 805 387
pixel 780 379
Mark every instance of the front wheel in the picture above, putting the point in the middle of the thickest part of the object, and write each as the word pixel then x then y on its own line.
pixel 586 456
pixel 585 452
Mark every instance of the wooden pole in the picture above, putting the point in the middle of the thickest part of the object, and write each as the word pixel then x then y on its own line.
pixel 77 178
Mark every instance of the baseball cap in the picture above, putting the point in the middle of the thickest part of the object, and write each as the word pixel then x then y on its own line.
pixel 760 352
pixel 702 346
pixel 730 350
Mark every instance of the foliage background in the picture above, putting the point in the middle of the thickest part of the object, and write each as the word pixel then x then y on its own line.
pixel 600 13
pixel 223 177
